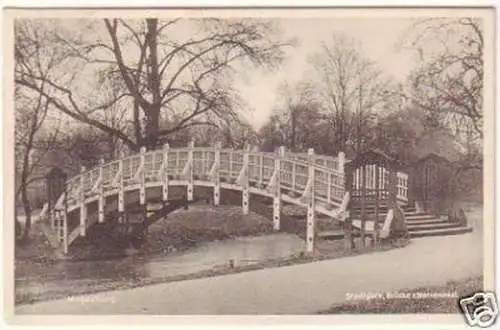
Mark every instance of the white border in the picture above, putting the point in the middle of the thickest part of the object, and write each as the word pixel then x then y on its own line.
pixel 299 321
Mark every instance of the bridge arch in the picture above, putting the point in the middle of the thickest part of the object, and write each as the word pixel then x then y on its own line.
pixel 315 182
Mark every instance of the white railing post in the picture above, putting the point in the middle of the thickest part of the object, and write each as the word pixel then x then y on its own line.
pixel 341 170
pixel 166 147
pixel 310 204
pixel 245 195
pixel 218 147
pixel 121 191
pixel 142 177
pixel 65 232
pixel 190 185
pixel 277 189
pixel 101 192
pixel 83 207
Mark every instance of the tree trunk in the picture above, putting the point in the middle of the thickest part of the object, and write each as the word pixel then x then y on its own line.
pixel 154 81
pixel 27 214
pixel 24 191
pixel 294 129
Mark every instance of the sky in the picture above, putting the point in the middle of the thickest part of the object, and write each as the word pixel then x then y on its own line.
pixel 378 38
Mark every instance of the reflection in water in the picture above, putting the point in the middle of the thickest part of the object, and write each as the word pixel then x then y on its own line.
pixel 75 276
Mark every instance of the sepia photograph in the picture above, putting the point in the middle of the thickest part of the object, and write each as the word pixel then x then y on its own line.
pixel 319 162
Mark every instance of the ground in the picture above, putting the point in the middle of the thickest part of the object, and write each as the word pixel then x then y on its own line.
pixel 414 301
pixel 299 289
pixel 425 263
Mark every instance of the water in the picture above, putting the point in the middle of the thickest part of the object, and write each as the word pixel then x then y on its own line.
pixel 71 277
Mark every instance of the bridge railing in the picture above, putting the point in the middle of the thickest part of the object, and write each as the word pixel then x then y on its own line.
pixel 293 174
pixel 383 187
pixel 175 162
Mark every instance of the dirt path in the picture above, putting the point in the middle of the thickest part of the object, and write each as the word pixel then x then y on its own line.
pixel 300 289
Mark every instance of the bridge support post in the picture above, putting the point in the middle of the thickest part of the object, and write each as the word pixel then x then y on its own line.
pixel 65 221
pixel 190 185
pixel 166 147
pixel 65 230
pixel 121 191
pixel 83 207
pixel 310 205
pixel 218 147
pixel 277 190
pixel 142 178
pixel 245 195
pixel 101 193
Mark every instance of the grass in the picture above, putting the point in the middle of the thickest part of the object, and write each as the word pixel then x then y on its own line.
pixel 421 300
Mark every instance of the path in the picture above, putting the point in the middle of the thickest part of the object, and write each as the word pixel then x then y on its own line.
pixel 300 289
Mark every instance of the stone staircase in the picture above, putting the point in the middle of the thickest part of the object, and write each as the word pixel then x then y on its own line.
pixel 422 224
pixel 419 223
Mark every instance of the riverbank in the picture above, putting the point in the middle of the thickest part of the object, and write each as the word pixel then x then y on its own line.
pixel 63 286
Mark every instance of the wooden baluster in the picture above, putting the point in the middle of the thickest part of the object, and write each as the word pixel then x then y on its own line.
pixel 311 204
pixel 142 176
pixel 101 192
pixel 245 195
pixel 83 207
pixel 277 189
pixel 166 147
pixel 218 147
pixel 190 185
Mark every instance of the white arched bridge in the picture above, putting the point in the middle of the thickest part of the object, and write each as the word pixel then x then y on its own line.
pixel 315 182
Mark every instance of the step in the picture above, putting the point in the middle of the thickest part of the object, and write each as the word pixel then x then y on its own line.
pixel 420 217
pixel 425 222
pixel 440 232
pixel 433 226
pixel 415 213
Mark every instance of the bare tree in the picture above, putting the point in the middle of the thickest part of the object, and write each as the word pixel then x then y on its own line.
pixel 297 122
pixel 31 145
pixel 350 88
pixel 448 84
pixel 162 73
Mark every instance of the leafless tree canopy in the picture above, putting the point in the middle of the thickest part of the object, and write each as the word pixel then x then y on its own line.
pixel 163 76
pixel 449 81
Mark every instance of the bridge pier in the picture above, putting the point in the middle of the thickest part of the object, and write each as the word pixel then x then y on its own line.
pixel 165 172
pixel 217 174
pixel 101 193
pixel 245 195
pixel 277 190
pixel 83 206
pixel 311 221
pixel 190 185
pixel 142 181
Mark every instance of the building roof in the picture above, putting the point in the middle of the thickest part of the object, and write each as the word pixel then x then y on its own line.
pixel 440 144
